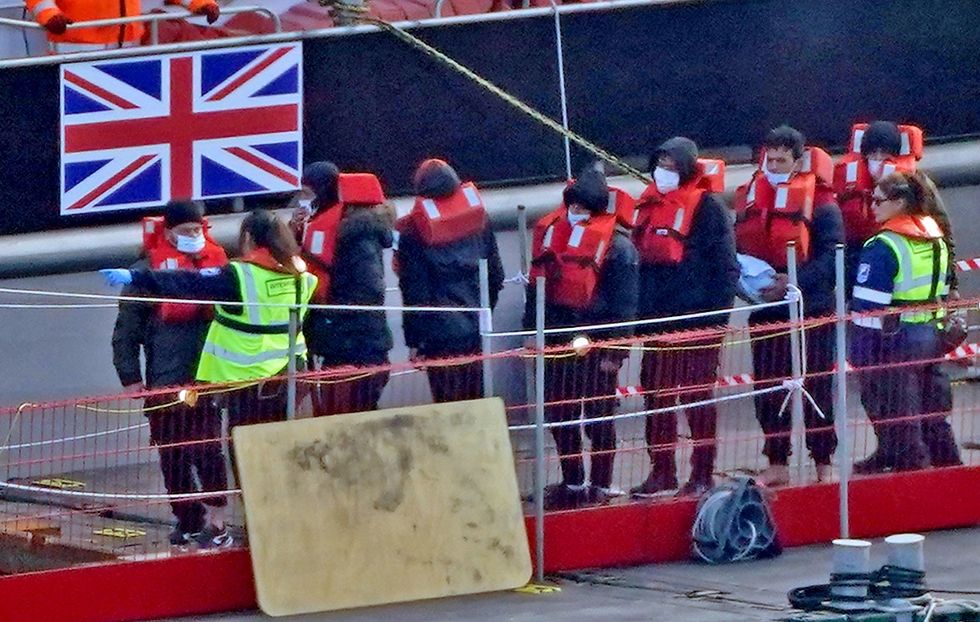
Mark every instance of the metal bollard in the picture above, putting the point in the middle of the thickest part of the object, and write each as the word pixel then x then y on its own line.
pixel 850 578
pixel 905 550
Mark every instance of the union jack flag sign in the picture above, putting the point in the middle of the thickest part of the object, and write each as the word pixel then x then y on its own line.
pixel 137 132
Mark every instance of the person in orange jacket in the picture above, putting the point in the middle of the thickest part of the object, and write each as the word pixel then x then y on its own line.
pixel 57 15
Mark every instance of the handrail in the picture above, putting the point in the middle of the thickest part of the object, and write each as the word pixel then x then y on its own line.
pixel 152 18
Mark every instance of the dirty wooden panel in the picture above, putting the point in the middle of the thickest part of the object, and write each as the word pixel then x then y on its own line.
pixel 372 508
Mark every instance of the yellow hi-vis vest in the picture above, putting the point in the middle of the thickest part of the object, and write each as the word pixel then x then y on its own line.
pixel 922 268
pixel 255 343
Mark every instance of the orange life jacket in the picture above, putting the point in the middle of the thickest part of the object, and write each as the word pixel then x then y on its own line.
pixel 571 257
pixel 163 255
pixel 915 227
pixel 854 183
pixel 663 221
pixel 768 219
pixel 446 220
pixel 320 236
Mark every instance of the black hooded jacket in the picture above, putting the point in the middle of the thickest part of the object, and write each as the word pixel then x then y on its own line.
pixel 704 280
pixel 446 276
pixel 357 278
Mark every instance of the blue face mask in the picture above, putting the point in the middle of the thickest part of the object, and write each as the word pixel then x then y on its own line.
pixel 577 219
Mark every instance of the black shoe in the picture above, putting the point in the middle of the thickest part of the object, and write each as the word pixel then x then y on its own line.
pixel 875 463
pixel 213 538
pixel 654 483
pixel 596 495
pixel 181 538
pixel 564 497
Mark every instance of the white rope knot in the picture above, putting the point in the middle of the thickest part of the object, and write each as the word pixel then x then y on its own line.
pixel 520 277
pixel 793 384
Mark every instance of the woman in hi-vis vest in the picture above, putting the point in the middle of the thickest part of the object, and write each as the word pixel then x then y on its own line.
pixel 246 343
pixel 906 266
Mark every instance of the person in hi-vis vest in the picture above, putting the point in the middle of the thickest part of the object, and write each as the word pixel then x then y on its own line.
pixel 246 343
pixel 906 264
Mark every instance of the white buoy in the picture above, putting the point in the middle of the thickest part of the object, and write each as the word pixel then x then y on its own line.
pixel 905 550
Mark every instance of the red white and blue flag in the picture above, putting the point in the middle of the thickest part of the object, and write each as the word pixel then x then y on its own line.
pixel 136 133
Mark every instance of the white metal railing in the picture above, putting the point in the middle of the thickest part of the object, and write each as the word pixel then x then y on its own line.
pixel 153 19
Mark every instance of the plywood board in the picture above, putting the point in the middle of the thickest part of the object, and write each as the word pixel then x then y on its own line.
pixel 389 506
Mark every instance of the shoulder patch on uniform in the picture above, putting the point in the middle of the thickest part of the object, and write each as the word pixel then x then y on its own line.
pixel 209 271
pixel 864 271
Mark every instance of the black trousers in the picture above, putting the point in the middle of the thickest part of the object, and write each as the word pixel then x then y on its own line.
pixel 188 439
pixel 771 359
pixel 357 391
pixel 908 403
pixel 258 403
pixel 568 380
pixel 452 383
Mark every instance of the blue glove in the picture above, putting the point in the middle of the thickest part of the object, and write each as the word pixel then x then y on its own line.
pixel 117 277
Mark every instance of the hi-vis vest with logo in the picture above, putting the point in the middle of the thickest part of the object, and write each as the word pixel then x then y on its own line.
pixel 853 182
pixel 162 255
pixel 768 218
pixel 662 222
pixel 570 257
pixel 255 343
pixel 923 264
pixel 449 219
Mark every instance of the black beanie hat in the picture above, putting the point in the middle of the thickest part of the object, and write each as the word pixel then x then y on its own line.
pixel 589 190
pixel 683 151
pixel 435 179
pixel 180 212
pixel 321 177
pixel 883 135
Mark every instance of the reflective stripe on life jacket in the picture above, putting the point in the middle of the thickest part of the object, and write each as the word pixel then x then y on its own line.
pixel 571 257
pixel 768 218
pixel 162 255
pixel 449 219
pixel 854 184
pixel 623 206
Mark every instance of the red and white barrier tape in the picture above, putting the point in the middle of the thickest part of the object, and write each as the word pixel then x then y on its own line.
pixel 964 351
pixel 967 265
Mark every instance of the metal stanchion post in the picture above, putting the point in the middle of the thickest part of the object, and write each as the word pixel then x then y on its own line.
pixel 795 337
pixel 844 456
pixel 539 470
pixel 486 327
pixel 561 89
pixel 526 270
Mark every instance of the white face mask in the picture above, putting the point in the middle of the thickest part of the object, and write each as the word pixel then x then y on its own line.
pixel 777 178
pixel 190 243
pixel 666 180
pixel 577 219
pixel 875 167
pixel 306 204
